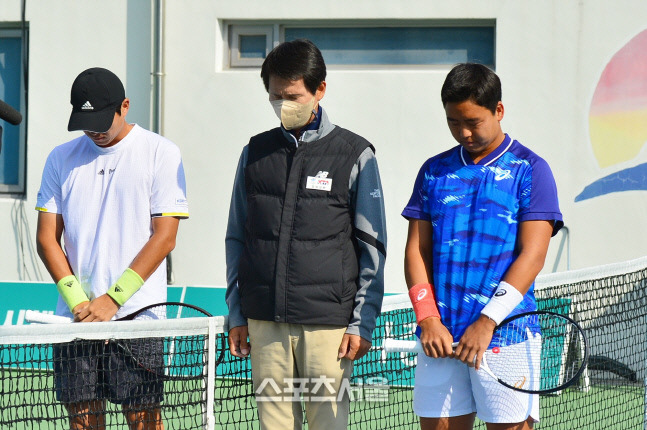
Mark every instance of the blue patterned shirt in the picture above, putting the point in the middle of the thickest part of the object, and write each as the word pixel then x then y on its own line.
pixel 475 211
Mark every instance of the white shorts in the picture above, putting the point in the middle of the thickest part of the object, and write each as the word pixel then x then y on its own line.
pixel 447 387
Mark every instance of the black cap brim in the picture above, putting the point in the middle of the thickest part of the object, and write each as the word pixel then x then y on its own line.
pixel 99 122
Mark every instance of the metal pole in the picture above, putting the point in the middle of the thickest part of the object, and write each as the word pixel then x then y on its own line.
pixel 158 75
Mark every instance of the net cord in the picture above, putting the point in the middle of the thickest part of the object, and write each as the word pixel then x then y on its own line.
pixel 590 273
pixel 61 333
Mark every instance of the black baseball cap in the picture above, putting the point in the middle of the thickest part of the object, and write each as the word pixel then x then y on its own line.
pixel 95 95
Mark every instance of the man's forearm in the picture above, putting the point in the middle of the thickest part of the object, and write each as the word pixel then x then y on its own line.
pixel 234 248
pixel 48 245
pixel 54 259
pixel 368 299
pixel 235 242
pixel 534 237
pixel 418 268
pixel 160 244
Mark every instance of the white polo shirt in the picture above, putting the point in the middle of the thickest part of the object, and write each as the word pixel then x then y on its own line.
pixel 107 197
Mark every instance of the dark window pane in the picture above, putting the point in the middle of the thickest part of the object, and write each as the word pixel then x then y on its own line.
pixel 400 45
pixel 252 46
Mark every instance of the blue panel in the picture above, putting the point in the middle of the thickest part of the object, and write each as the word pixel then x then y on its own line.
pixel 173 293
pixel 400 45
pixel 43 296
pixel 21 296
pixel 10 69
pixel 211 299
pixel 252 46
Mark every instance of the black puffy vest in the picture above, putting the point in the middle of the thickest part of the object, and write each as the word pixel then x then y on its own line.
pixel 300 260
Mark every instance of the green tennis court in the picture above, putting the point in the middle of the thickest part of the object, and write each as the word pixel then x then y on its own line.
pixel 234 407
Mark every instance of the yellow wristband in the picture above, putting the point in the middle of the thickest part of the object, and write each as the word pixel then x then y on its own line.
pixel 71 291
pixel 127 285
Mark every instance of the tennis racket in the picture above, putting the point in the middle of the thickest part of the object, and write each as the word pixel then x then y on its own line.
pixel 170 358
pixel 537 352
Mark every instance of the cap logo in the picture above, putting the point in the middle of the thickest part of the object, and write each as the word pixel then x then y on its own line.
pixel 87 106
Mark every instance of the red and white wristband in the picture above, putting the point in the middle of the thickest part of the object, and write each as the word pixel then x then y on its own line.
pixel 505 299
pixel 424 301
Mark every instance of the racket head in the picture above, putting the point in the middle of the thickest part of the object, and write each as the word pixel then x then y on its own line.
pixel 176 358
pixel 537 352
pixel 167 310
pixel 164 358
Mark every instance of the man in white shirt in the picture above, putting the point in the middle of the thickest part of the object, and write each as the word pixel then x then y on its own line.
pixel 116 195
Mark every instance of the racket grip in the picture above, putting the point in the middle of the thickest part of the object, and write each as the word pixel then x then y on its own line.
pixel 395 345
pixel 43 318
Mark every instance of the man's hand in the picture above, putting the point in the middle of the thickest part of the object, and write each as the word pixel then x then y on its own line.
pixel 103 308
pixel 436 340
pixel 78 308
pixel 238 345
pixel 353 347
pixel 475 341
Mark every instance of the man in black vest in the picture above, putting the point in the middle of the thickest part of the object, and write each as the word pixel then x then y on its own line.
pixel 306 244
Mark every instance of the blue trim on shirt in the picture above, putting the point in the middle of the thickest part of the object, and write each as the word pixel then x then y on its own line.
pixel 492 156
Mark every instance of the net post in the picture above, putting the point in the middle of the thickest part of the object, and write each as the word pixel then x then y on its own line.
pixel 645 402
pixel 209 417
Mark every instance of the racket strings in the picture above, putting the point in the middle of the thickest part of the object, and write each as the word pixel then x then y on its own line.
pixel 169 358
pixel 544 352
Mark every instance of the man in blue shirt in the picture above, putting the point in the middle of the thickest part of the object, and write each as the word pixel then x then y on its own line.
pixel 480 219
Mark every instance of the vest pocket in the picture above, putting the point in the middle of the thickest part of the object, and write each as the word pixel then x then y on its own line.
pixel 256 302
pixel 313 263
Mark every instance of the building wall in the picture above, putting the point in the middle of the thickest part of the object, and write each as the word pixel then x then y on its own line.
pixel 550 56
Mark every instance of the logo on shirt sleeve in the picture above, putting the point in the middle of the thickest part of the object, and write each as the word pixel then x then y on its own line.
pixel 501 174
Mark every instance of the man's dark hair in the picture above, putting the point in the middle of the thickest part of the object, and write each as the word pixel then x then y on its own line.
pixel 471 81
pixel 294 60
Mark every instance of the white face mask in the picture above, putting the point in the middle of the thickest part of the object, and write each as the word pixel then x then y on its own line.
pixel 292 114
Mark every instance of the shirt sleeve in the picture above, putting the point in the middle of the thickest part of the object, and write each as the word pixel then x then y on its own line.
pixel 49 194
pixel 366 196
pixel 168 196
pixel 235 241
pixel 539 196
pixel 417 208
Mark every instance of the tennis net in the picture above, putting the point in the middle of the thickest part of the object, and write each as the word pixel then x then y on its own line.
pixel 204 387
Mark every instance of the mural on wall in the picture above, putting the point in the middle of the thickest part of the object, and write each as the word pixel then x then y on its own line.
pixel 618 120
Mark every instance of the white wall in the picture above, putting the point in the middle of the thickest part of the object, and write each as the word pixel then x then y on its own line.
pixel 549 55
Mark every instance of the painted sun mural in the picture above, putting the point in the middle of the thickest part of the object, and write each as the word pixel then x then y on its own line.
pixel 618 120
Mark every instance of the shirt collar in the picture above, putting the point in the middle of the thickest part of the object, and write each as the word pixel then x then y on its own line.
pixel 318 128
pixel 314 125
pixel 491 157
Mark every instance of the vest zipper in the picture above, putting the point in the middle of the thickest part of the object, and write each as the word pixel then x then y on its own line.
pixel 300 165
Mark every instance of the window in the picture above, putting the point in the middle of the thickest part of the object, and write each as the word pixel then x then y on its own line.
pixel 249 44
pixel 429 44
pixel 12 152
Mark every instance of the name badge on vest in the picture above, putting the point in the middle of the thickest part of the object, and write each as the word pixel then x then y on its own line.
pixel 319 182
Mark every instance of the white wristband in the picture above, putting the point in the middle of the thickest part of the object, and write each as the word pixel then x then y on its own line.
pixel 505 299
